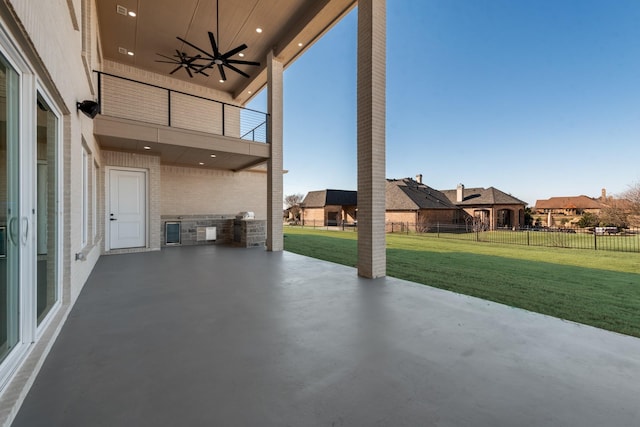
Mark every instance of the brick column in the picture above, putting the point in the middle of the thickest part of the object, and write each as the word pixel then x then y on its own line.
pixel 372 257
pixel 275 197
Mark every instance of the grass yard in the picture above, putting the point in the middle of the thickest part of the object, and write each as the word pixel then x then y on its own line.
pixel 596 288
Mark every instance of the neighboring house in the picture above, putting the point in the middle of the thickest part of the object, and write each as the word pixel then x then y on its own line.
pixel 566 211
pixel 107 147
pixel 569 206
pixel 411 202
pixel 489 206
pixel 329 207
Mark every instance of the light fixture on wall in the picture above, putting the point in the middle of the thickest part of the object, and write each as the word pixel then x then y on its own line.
pixel 89 108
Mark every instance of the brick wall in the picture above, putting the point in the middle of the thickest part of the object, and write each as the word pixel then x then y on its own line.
pixel 150 104
pixel 130 100
pixel 187 191
pixel 313 216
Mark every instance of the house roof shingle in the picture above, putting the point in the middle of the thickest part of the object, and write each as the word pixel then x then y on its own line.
pixel 482 196
pixel 321 198
pixel 408 194
pixel 574 202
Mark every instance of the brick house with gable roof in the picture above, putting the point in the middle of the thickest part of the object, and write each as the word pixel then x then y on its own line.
pixel 329 207
pixel 411 202
pixel 492 207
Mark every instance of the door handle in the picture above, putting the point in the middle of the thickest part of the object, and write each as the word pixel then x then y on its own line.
pixel 113 219
pixel 25 233
pixel 10 232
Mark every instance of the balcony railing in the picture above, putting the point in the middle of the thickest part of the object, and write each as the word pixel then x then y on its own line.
pixel 131 99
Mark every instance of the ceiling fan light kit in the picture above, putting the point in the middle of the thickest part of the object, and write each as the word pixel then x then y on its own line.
pixel 212 59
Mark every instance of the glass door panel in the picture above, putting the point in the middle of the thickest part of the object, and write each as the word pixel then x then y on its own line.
pixel 9 212
pixel 46 253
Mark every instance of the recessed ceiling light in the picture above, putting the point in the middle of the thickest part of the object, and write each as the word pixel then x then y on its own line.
pixel 130 53
pixel 258 30
pixel 146 147
pixel 132 14
pixel 300 44
pixel 249 92
pixel 241 54
pixel 221 81
pixel 201 164
pixel 213 155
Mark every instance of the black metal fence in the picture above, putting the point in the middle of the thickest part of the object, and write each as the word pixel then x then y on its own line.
pixel 594 238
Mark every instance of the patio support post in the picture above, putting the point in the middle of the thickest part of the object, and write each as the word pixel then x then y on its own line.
pixel 275 197
pixel 372 257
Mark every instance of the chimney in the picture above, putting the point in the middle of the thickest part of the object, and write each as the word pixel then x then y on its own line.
pixel 604 194
pixel 419 178
pixel 460 193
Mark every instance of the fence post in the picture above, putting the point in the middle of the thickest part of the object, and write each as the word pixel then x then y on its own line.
pixel 595 240
pixel 527 237
pixel 438 227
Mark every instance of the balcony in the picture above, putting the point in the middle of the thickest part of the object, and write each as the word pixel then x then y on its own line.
pixel 179 127
pixel 216 335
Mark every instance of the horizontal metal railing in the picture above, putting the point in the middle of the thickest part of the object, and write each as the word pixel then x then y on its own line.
pixel 126 98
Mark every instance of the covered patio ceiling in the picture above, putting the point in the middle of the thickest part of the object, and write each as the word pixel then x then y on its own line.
pixel 288 27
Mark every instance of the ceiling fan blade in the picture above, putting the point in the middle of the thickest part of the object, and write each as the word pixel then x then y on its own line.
pixel 212 39
pixel 204 67
pixel 237 70
pixel 195 47
pixel 189 72
pixel 193 58
pixel 234 51
pixel 238 61
pixel 177 68
pixel 166 57
pixel 167 62
pixel 222 74
pixel 199 70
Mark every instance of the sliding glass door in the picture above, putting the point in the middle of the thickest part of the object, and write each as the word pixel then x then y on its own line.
pixel 9 209
pixel 46 218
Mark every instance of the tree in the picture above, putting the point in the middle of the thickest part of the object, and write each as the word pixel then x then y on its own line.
pixel 528 216
pixel 615 214
pixel 292 202
pixel 622 210
pixel 588 219
pixel 632 195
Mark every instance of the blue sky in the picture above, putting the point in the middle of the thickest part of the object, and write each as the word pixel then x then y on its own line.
pixel 536 98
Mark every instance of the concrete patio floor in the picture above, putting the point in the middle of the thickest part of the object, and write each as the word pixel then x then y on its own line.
pixel 221 336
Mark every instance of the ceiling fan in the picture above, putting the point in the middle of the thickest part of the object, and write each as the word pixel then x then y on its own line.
pixel 218 58
pixel 182 60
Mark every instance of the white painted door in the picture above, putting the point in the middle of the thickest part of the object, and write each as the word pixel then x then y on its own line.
pixel 127 209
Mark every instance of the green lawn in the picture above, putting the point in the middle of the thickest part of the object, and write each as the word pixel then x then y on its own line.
pixel 597 288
